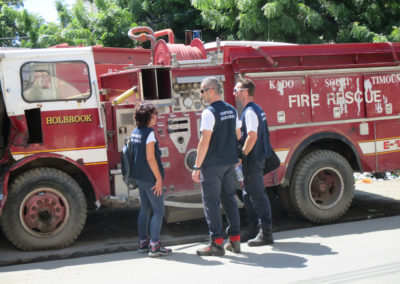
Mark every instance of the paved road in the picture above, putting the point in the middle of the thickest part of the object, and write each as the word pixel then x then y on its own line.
pixel 115 231
pixel 354 252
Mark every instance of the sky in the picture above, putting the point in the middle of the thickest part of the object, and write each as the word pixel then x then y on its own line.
pixel 45 8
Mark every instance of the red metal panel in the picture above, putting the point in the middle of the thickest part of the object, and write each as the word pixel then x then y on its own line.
pixel 285 100
pixel 313 56
pixel 287 141
pixel 103 70
pixel 229 85
pixel 71 128
pixel 110 59
pixel 200 71
pixel 388 144
pixel 100 179
pixel 67 130
pixel 382 93
pixel 117 83
pixel 113 155
pixel 178 177
pixel 336 97
pixel 112 55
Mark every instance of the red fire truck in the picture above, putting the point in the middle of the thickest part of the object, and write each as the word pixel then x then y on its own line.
pixel 65 112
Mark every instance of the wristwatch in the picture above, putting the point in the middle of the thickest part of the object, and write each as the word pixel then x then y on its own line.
pixel 196 168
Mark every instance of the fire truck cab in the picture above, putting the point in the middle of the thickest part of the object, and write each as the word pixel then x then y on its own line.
pixel 65 113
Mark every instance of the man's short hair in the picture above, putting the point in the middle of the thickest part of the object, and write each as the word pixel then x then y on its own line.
pixel 249 85
pixel 212 83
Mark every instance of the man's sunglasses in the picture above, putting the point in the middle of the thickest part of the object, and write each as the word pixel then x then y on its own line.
pixel 236 90
pixel 205 90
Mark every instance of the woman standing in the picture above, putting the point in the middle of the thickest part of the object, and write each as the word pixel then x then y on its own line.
pixel 148 174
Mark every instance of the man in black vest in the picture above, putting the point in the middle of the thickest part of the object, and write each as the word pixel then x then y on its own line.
pixel 256 147
pixel 214 168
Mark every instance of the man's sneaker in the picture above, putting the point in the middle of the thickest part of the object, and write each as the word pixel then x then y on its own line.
pixel 211 249
pixel 156 250
pixel 144 246
pixel 250 233
pixel 233 246
pixel 264 237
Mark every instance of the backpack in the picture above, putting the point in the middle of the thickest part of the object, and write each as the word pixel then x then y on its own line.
pixel 127 164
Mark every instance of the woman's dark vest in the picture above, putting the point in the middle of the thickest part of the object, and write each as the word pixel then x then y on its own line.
pixel 142 170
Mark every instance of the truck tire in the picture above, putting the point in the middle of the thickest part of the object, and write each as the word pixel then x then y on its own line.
pixel 45 209
pixel 283 193
pixel 322 186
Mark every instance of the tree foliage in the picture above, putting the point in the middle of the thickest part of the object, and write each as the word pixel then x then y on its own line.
pixel 17 27
pixel 296 21
pixel 303 21
pixel 111 24
pixel 77 26
pixel 178 15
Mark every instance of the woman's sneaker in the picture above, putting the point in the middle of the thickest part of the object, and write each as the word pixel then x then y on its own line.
pixel 156 250
pixel 144 246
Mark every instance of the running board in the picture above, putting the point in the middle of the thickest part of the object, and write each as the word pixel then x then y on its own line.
pixel 179 204
pixel 192 205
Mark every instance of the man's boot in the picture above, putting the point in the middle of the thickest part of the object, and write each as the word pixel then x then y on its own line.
pixel 263 238
pixel 213 248
pixel 250 233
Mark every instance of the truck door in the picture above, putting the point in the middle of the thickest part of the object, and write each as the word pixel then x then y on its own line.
pixel 52 97
pixel 382 96
pixel 4 124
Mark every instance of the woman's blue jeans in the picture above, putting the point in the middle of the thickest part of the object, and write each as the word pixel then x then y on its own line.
pixel 150 203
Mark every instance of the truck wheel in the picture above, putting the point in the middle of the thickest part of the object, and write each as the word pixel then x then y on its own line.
pixel 283 193
pixel 322 186
pixel 45 209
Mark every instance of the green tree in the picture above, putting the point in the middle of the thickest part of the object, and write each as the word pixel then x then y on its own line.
pixel 14 3
pixel 221 16
pixel 65 16
pixel 18 28
pixel 297 21
pixel 108 26
pixel 111 24
pixel 177 15
pixel 303 21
